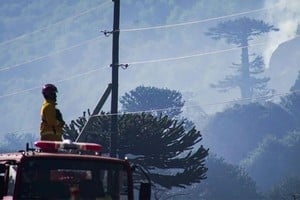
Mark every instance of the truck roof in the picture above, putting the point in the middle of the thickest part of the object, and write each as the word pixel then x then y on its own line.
pixel 18 156
pixel 66 150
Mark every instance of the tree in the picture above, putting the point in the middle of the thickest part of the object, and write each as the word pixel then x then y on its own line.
pixel 288 188
pixel 238 130
pixel 296 86
pixel 274 159
pixel 162 146
pixel 291 102
pixel 13 142
pixel 239 32
pixel 227 181
pixel 159 101
pixel 224 182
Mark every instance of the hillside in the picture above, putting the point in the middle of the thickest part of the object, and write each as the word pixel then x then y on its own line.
pixel 284 65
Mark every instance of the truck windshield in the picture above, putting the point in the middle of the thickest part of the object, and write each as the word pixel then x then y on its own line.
pixel 72 179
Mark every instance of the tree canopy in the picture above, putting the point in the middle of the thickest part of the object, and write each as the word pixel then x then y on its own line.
pixel 157 100
pixel 240 31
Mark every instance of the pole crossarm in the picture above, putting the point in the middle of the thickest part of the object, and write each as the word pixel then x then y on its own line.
pixel 102 100
pixel 83 133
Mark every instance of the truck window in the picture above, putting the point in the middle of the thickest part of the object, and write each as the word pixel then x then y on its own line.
pixel 2 179
pixel 11 179
pixel 67 178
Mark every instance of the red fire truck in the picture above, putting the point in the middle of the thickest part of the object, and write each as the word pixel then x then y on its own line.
pixel 66 170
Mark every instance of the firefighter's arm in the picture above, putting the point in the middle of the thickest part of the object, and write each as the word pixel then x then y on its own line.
pixel 59 117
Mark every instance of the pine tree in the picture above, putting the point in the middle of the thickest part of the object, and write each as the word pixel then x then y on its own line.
pixel 239 32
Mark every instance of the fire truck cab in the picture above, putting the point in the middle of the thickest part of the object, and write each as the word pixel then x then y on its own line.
pixel 66 170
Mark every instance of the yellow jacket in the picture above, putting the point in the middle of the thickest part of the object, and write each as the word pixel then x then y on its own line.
pixel 51 128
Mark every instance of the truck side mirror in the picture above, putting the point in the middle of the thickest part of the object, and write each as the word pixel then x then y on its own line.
pixel 145 191
pixel 145 187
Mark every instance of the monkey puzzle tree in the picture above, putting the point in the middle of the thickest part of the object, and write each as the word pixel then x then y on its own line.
pixel 162 146
pixel 157 100
pixel 240 32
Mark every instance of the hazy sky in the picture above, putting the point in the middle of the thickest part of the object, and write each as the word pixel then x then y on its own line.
pixel 178 57
pixel 286 16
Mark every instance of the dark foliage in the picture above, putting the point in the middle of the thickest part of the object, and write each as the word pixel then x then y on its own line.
pixel 160 145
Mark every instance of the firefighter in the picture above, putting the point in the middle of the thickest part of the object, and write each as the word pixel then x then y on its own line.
pixel 52 121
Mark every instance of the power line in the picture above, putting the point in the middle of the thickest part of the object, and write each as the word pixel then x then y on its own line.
pixel 191 106
pixel 201 21
pixel 58 81
pixel 50 54
pixel 205 105
pixel 137 29
pixel 51 25
pixel 133 63
pixel 130 63
pixel 139 62
pixel 128 30
pixel 151 61
pixel 194 55
pixel 197 54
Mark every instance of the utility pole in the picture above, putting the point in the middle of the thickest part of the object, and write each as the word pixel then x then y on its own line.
pixel 115 80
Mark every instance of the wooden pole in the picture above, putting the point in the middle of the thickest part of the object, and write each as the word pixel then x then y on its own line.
pixel 115 79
